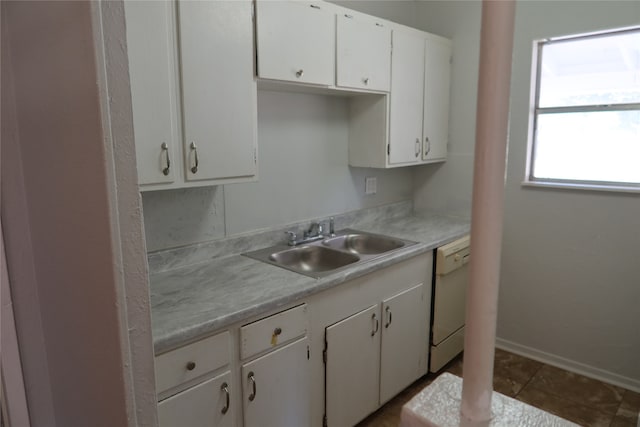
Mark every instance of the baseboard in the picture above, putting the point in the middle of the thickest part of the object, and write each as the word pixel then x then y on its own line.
pixel 569 365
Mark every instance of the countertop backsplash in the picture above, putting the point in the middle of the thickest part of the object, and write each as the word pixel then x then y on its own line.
pixel 169 259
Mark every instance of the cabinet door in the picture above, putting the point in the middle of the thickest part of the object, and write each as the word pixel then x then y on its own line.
pixel 407 79
pixel 352 367
pixel 296 41
pixel 205 405
pixel 151 51
pixel 405 338
pixel 276 387
pixel 218 89
pixel 363 53
pixel 437 71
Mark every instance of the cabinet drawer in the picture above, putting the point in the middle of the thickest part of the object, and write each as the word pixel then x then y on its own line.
pixel 191 361
pixel 272 331
pixel 204 405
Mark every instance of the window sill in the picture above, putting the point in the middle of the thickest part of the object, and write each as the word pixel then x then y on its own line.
pixel 577 186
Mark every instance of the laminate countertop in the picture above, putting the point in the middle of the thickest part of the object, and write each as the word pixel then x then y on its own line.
pixel 195 300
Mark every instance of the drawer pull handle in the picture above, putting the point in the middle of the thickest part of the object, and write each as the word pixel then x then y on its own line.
pixel 376 323
pixel 389 316
pixel 225 388
pixel 253 386
pixel 299 73
pixel 277 331
pixel 191 366
pixel 417 147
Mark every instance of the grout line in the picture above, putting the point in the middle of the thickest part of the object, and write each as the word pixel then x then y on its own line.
pixel 530 379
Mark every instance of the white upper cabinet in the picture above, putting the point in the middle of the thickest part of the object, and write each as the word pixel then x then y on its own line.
pixel 218 89
pixel 405 116
pixel 418 111
pixel 363 52
pixel 204 56
pixel 437 75
pixel 296 41
pixel 152 71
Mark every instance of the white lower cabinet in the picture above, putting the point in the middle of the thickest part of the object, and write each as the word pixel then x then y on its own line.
pixel 374 354
pixel 206 405
pixel 272 371
pixel 353 367
pixel 275 387
pixel 403 352
pixel 194 384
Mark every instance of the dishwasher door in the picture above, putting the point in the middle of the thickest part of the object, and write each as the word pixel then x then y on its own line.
pixel 450 288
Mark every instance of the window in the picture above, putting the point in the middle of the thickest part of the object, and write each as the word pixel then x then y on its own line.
pixel 586 117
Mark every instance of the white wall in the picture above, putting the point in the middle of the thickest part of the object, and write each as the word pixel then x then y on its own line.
pixel 447 187
pixel 571 277
pixel 303 169
pixel 570 286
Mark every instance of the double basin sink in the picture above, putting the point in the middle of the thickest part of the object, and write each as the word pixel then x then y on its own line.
pixel 330 254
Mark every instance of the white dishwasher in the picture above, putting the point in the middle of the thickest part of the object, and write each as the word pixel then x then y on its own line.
pixel 451 278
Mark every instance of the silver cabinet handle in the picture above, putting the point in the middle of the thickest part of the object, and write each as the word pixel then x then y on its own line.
pixel 376 324
pixel 366 80
pixel 389 316
pixel 299 73
pixel 193 147
pixel 252 378
pixel 165 148
pixel 225 388
pixel 417 147
pixel 428 143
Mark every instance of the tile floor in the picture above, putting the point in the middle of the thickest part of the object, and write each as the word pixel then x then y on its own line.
pixel 584 401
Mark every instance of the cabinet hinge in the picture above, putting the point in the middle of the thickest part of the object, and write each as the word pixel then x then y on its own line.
pixel 324 420
pixel 388 149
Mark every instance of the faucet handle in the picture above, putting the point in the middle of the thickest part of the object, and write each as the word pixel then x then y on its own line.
pixel 292 237
pixel 332 224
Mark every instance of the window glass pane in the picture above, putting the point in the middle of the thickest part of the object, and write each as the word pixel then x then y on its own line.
pixel 591 71
pixel 593 146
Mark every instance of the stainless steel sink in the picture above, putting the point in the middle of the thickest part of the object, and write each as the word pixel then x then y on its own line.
pixel 365 244
pixel 312 258
pixel 331 254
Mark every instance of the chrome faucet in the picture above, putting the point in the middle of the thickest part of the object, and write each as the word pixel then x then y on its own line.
pixel 315 232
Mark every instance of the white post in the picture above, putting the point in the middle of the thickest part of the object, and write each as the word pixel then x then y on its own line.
pixel 487 209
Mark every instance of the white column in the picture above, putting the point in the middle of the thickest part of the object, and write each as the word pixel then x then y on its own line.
pixel 487 209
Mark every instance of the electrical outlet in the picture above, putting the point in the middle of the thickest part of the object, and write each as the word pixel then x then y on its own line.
pixel 370 185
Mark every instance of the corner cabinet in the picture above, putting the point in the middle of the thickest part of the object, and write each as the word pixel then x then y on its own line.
pixel 193 90
pixel 417 129
pixel 419 111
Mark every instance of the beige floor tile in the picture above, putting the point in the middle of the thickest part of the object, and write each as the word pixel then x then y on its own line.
pixel 578 389
pixel 584 415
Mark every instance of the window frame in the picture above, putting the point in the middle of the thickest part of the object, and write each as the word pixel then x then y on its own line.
pixel 536 111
